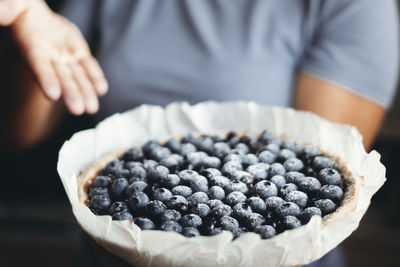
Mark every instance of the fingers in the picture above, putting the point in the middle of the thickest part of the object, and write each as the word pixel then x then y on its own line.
pixel 95 74
pixel 86 88
pixel 72 96
pixel 46 75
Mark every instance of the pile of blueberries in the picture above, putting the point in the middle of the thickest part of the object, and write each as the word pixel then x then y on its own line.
pixel 203 185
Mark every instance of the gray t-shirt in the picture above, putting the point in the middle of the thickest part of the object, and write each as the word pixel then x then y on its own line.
pixel 157 52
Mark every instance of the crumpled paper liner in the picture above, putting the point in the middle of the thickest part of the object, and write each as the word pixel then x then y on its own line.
pixel 157 248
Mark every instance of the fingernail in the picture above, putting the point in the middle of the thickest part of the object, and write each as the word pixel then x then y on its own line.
pixel 92 106
pixel 102 87
pixel 77 107
pixel 53 92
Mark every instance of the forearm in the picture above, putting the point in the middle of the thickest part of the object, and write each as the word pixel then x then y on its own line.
pixel 26 115
pixel 339 105
pixel 11 9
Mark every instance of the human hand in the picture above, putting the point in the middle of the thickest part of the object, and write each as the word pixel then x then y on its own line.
pixel 59 58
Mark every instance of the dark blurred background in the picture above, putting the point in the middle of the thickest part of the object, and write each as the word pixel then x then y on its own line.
pixel 37 227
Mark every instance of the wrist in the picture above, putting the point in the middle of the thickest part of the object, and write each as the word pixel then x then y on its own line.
pixel 11 10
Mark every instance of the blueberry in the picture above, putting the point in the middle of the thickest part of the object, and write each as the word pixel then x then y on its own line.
pixel 290 222
pixel 212 203
pixel 222 210
pixel 309 171
pixel 234 141
pixel 216 192
pixel 241 211
pixel 278 180
pixel 138 171
pixel 255 220
pixel 249 159
pixel 187 175
pixel 174 145
pixel 273 202
pixel 293 145
pixel 287 188
pixel 228 223
pixel 144 223
pixel 329 176
pixel 321 162
pixel 285 154
pixel 267 157
pixel 150 146
pixel 171 226
pixel 326 206
pixel 274 148
pixel 210 172
pixel 234 157
pixel 201 209
pixel 265 231
pixel 307 213
pixel 205 144
pixel 149 164
pixel 98 191
pixel 294 177
pixel 211 162
pixel 196 158
pixel 257 204
pixel 162 194
pixel 123 215
pixel 198 197
pixel 199 184
pixel 134 187
pixel 217 138
pixel 191 220
pixel 237 186
pixel 132 164
pixel 293 164
pixel 238 232
pixel 310 185
pixel 100 203
pixel 171 181
pixel 133 154
pixel 101 181
pixel 297 197
pixel 178 203
pixel 114 167
pixel 138 201
pixel 286 209
pixel 332 192
pixel 156 207
pixel 118 206
pixel 230 167
pixel 265 137
pixel 118 188
pixel 190 232
pixel 221 181
pixel 259 173
pixel 170 162
pixel 243 176
pixel 187 148
pixel 266 189
pixel 170 215
pixel 221 149
pixel 215 231
pixel 190 138
pixel 160 153
pixel 242 147
pixel 182 190
pixel 276 169
pixel 158 174
pixel 234 198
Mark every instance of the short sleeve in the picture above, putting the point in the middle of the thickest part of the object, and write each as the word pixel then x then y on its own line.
pixel 355 44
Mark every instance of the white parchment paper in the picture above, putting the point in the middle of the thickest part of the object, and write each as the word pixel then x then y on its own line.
pixel 156 248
